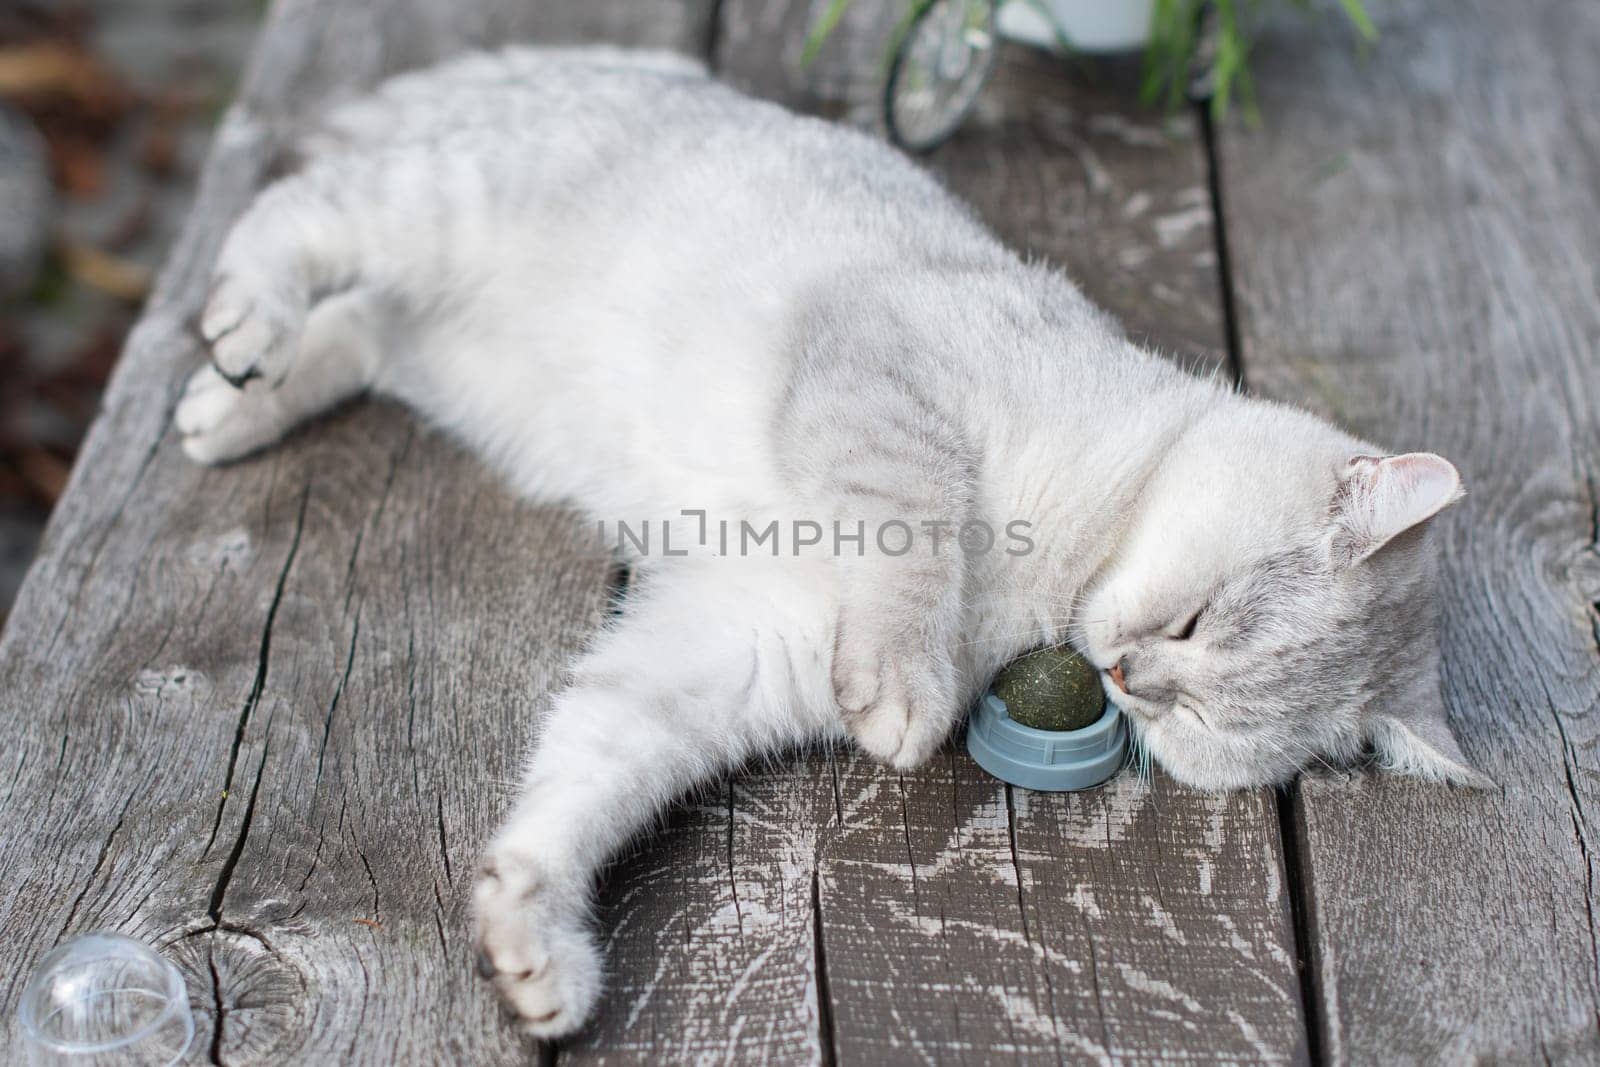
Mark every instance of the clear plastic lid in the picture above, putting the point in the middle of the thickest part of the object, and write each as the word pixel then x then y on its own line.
pixel 107 999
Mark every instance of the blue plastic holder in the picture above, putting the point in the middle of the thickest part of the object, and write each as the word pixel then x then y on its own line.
pixel 1052 761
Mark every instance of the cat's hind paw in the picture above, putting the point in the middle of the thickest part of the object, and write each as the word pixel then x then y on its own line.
pixel 251 328
pixel 533 948
pixel 219 422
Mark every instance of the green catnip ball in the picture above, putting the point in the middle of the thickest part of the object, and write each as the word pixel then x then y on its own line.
pixel 1051 689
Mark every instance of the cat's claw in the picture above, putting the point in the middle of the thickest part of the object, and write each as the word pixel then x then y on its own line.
pixel 252 330
pixel 539 956
pixel 896 708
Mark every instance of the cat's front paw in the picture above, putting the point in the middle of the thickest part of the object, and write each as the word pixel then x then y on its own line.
pixel 533 945
pixel 218 422
pixel 897 703
pixel 252 328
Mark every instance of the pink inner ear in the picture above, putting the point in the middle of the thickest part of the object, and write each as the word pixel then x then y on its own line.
pixel 1429 482
pixel 1387 496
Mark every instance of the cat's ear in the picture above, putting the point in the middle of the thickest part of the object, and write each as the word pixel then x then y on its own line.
pixel 1417 742
pixel 1381 497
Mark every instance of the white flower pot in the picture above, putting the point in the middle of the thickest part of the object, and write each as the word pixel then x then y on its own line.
pixel 1088 25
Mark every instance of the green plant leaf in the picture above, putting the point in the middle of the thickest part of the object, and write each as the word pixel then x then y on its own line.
pixel 1357 13
pixel 822 31
pixel 1042 9
pixel 1169 56
pixel 1173 36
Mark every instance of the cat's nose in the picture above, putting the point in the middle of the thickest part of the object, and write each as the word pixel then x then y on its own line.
pixel 1119 674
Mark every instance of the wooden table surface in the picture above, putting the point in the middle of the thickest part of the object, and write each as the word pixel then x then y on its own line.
pixel 266 716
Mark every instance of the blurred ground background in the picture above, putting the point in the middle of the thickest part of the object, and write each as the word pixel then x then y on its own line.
pixel 106 108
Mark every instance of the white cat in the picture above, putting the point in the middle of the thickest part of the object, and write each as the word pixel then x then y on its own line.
pixel 630 287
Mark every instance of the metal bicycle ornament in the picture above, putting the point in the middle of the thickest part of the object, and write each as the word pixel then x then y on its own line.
pixel 949 48
pixel 945 57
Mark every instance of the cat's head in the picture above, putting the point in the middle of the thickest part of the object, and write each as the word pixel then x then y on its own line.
pixel 1275 604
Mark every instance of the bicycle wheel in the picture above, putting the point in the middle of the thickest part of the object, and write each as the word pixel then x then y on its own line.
pixel 947 54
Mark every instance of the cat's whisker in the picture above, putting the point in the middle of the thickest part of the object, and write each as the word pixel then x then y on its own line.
pixel 996 638
pixel 1305 750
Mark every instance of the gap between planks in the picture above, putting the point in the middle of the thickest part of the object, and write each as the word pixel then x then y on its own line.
pixel 1301 900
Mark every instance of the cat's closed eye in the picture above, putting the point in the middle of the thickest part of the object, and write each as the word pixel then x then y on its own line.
pixel 1186 630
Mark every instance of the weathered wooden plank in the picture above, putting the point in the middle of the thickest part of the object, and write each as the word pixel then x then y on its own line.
pixel 408 657
pixel 266 716
pixel 710 925
pixel 1415 235
pixel 1176 909
pixel 927 951
pixel 959 921
pixel 963 920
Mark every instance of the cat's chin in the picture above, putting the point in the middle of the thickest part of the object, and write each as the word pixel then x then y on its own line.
pixel 1197 765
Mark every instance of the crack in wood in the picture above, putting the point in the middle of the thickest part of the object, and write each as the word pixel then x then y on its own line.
pixel 219 1001
pixel 444 843
pixel 1094 983
pixel 16 775
pixel 411 705
pixel 713 35
pixel 1569 759
pixel 105 850
pixel 439 911
pixel 833 773
pixel 259 685
pixel 338 691
pixel 316 855
pixel 733 881
pixel 1301 903
pixel 219 1009
pixel 911 856
pixel 1594 550
pixel 226 875
pixel 384 493
pixel 366 998
pixel 377 911
pixel 61 757
pixel 1016 863
pixel 1219 231
pixel 825 1036
pixel 229 926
